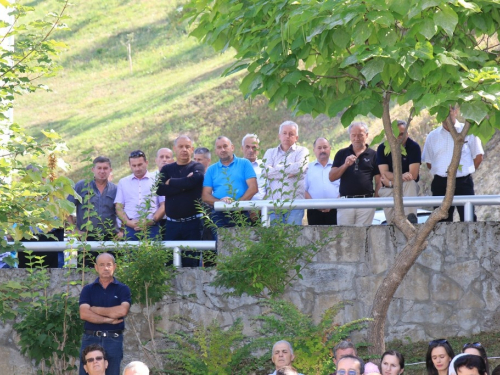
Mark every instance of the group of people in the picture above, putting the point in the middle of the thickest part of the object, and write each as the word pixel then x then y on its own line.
pixel 440 360
pixel 166 202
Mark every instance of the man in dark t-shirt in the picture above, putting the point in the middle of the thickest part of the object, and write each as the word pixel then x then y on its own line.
pixel 356 166
pixel 181 184
pixel 410 169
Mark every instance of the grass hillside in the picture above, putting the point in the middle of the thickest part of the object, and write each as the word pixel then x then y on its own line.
pixel 99 106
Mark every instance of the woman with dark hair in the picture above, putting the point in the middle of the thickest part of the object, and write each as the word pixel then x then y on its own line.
pixel 392 363
pixel 470 364
pixel 476 348
pixel 438 358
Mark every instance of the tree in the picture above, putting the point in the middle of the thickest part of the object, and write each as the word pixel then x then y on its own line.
pixel 36 197
pixel 360 57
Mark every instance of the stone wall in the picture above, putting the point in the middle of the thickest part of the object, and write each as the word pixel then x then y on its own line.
pixel 453 289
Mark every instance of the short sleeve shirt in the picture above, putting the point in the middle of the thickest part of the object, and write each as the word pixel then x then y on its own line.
pixel 115 294
pixel 230 180
pixel 357 181
pixel 413 155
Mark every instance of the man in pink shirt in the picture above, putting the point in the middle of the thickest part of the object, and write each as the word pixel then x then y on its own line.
pixel 137 205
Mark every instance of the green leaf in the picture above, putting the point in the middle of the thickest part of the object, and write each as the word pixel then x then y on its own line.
pixel 378 138
pixel 361 32
pixel 5 3
pixel 470 6
pixel 341 38
pixel 447 19
pixel 372 68
pixel 475 111
pixel 424 50
pixel 427 28
pixel 293 78
pixel 338 106
pixel 381 17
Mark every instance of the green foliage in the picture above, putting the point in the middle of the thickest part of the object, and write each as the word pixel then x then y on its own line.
pixel 51 333
pixel 261 260
pixel 329 56
pixel 312 343
pixel 143 268
pixel 205 350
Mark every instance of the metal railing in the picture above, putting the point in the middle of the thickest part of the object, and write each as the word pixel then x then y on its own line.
pixel 266 207
pixel 52 246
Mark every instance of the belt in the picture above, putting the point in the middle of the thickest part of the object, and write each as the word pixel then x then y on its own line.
pixel 183 219
pixel 388 187
pixel 104 333
pixel 358 196
pixel 458 178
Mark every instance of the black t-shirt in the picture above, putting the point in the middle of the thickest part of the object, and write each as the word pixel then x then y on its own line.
pixel 413 155
pixel 182 192
pixel 358 178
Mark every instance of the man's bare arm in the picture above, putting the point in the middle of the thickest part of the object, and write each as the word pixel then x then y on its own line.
pixel 207 197
pixel 92 317
pixel 115 312
pixel 478 160
pixel 251 191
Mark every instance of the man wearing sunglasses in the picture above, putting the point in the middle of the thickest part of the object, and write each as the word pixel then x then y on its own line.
pixel 137 205
pixel 356 167
pixel 94 360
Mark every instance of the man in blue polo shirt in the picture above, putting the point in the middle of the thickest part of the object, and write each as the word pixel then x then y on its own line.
pixel 229 180
pixel 104 305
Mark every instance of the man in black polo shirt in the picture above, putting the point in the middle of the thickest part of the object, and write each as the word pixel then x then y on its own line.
pixel 104 305
pixel 411 166
pixel 181 184
pixel 356 166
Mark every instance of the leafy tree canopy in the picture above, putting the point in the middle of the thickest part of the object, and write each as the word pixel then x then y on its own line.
pixel 324 56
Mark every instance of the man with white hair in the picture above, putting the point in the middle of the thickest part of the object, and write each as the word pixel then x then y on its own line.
pixel 356 167
pixel 282 355
pixel 136 368
pixel 285 169
pixel 251 149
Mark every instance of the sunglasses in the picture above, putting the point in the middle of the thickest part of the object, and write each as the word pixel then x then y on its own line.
pixel 137 154
pixel 439 341
pixel 472 345
pixel 90 360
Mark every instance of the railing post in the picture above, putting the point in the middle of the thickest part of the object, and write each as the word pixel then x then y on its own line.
pixel 468 212
pixel 177 257
pixel 264 216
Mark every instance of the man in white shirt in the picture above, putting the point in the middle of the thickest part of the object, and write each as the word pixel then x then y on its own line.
pixel 285 169
pixel 318 184
pixel 282 355
pixel 250 147
pixel 438 150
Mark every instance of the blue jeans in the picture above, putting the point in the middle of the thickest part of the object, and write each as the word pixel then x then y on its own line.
pixel 131 234
pixel 185 231
pixel 114 352
pixel 291 217
pixel 226 220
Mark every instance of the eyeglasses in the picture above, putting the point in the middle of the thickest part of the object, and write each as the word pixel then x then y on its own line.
pixel 439 341
pixel 356 163
pixel 349 372
pixel 90 360
pixel 137 154
pixel 472 345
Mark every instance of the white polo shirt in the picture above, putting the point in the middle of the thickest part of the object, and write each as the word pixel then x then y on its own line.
pixel 438 150
pixel 318 184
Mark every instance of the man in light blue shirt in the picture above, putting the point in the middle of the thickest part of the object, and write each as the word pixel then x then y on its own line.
pixel 229 180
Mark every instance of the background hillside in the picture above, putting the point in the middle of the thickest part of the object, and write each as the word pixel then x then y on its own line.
pixel 101 107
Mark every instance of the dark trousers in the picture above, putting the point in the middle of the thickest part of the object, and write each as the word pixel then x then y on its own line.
pixel 185 231
pixel 316 217
pixel 463 186
pixel 51 259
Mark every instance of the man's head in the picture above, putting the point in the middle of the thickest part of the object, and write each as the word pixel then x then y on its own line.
pixel 342 349
pixel 183 147
pixel 202 155
pixel 350 365
pixel 105 265
pixel 288 134
pixel 136 368
pixel 287 370
pixel 101 168
pixel 164 156
pixel 358 133
pixel 470 364
pixel 224 149
pixel 322 149
pixel 282 354
pixel 403 135
pixel 250 147
pixel 138 163
pixel 94 360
